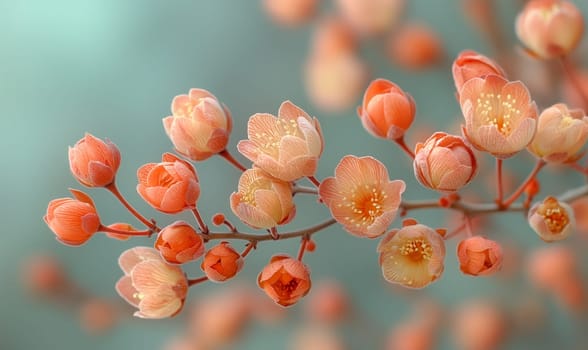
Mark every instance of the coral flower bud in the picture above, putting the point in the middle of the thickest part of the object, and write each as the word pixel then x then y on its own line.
pixel 415 46
pixel 412 256
pixel 262 201
pixel 552 220
pixel 561 134
pixel 179 243
pixel 94 162
pixel 470 64
pixel 285 280
pixel 123 227
pixel 479 256
pixel 73 220
pixel 155 287
pixel 550 28
pixel 287 147
pixel 170 186
pixel 199 126
pixel 386 111
pixel 444 162
pixel 500 116
pixel 221 262
pixel 290 12
pixel 361 196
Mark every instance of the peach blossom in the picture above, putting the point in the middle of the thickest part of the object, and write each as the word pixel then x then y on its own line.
pixel 94 162
pixel 371 17
pixel 479 256
pixel 170 186
pixel 179 243
pixel 290 12
pixel 262 201
pixel 550 28
pixel 386 111
pixel 471 64
pixel 361 196
pixel 479 325
pixel 221 262
pixel 287 147
pixel 499 115
pixel 73 220
pixel 199 126
pixel 285 280
pixel 552 220
pixel 328 303
pixel 561 134
pixel 155 287
pixel 412 256
pixel 415 46
pixel 444 162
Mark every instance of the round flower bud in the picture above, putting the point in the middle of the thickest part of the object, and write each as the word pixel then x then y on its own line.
pixel 179 243
pixel 479 256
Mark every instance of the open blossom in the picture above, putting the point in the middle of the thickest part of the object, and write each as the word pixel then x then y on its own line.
pixel 444 162
pixel 285 280
pixel 552 220
pixel 73 220
pixel 412 256
pixel 479 256
pixel 179 243
pixel 199 126
pixel 221 262
pixel 500 117
pixel 386 111
pixel 550 28
pixel 287 147
pixel 361 196
pixel 170 186
pixel 561 134
pixel 94 162
pixel 155 287
pixel 470 64
pixel 262 201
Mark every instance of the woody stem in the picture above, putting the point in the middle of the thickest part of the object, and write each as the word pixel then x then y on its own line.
pixel 499 191
pixel 195 281
pixel 400 141
pixel 538 166
pixel 114 190
pixel 201 224
pixel 226 155
pixel 303 243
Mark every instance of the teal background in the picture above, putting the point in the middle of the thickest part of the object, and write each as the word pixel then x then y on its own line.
pixel 111 68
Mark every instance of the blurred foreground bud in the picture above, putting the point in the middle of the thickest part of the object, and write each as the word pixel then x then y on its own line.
pixel 479 325
pixel 98 316
pixel 290 12
pixel 221 262
pixel 470 64
pixel 361 196
pixel 44 275
pixel 155 287
pixel 94 162
pixel 415 46
pixel 287 147
pixel 199 126
pixel 262 201
pixel 444 162
pixel 561 134
pixel 285 280
pixel 549 267
pixel 550 28
pixel 552 220
pixel 170 186
pixel 386 111
pixel 371 17
pixel 412 256
pixel 312 337
pixel 328 302
pixel 179 243
pixel 332 37
pixel 479 256
pixel 73 220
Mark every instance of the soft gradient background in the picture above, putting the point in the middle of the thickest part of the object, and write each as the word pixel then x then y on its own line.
pixel 111 68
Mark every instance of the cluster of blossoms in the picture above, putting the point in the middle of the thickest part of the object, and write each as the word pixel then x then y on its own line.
pixel 500 119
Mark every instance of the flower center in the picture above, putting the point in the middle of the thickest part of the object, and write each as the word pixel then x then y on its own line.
pixel 554 216
pixel 416 250
pixel 498 110
pixel 269 141
pixel 366 204
pixel 285 286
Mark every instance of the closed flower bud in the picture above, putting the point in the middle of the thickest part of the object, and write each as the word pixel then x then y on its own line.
pixel 386 111
pixel 444 162
pixel 550 28
pixel 179 243
pixel 287 147
pixel 285 280
pixel 262 201
pixel 199 126
pixel 552 220
pixel 170 186
pixel 470 64
pixel 94 162
pixel 155 287
pixel 479 256
pixel 221 262
pixel 561 134
pixel 73 220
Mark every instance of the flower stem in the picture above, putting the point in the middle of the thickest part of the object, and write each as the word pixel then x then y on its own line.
pixel 226 155
pixel 303 243
pixel 192 282
pixel 146 233
pixel 304 189
pixel 538 166
pixel 250 246
pixel 499 191
pixel 114 190
pixel 404 147
pixel 314 181
pixel 201 224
